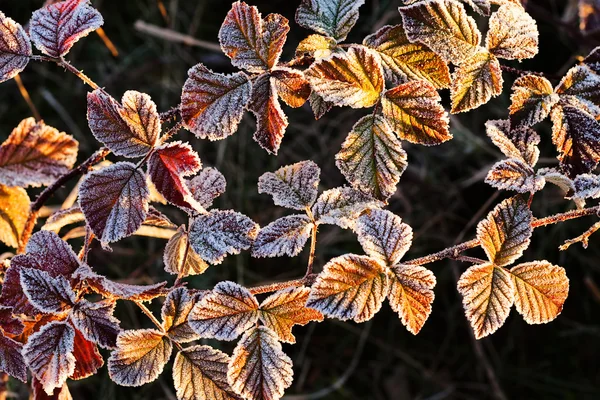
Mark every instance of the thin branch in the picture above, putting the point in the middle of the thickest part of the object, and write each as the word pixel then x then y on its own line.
pixel 156 322
pixel 313 243
pixel 273 287
pixel 167 115
pixel 171 132
pixel 27 98
pixel 66 65
pixel 173 36
pixel 583 238
pixel 49 191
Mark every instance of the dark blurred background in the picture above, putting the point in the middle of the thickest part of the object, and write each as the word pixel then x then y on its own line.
pixel 441 195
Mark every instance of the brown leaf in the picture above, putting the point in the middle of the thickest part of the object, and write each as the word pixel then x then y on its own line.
pixel 519 143
pixel 512 33
pixel 180 258
pixel 291 86
pixel 514 174
pixel 15 48
pixel 532 99
pixel 384 236
pixel 14 211
pixel 175 312
pixel 87 357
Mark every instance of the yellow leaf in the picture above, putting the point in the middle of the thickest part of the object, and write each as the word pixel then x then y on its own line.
pixel 475 82
pixel 512 33
pixel 532 99
pixel 317 46
pixel 14 210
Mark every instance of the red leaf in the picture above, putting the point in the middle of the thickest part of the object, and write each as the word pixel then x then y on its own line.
pixel 55 28
pixel 168 166
pixel 270 119
pixel 87 357
pixel 15 48
pixel 47 294
pixel 8 323
pixel 11 360
pixel 61 393
pixel 95 321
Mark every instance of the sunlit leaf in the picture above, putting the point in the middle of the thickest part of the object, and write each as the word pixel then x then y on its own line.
pixel 411 294
pixel 252 43
pixel 168 165
pixel 444 27
pixel 284 236
pixel 200 372
pixel 36 154
pixel 225 313
pixel 218 233
pixel 15 48
pixel 350 287
pixel 259 369
pixel 514 174
pixel 488 294
pixel 532 99
pixel 475 82
pixel 341 206
pixel 96 322
pixel 403 60
pixel 114 200
pixel 270 118
pixel 140 357
pixel 557 178
pixel 506 231
pixel 212 104
pixel 540 290
pixel 352 79
pixel 384 236
pixel 286 308
pixel 11 359
pixel 593 60
pixel 584 85
pixel 62 218
pixel 576 135
pixel 519 143
pixel 372 158
pixel 14 211
pixel 140 115
pixel 586 186
pixel 9 323
pixel 333 18
pixel 87 358
pixel 108 127
pixel 56 27
pixel 180 258
pixel 317 46
pixel 175 312
pixel 414 112
pixel 49 354
pixel 293 186
pixel 47 294
pixel 60 393
pixel 291 85
pixel 207 186
pixel 512 33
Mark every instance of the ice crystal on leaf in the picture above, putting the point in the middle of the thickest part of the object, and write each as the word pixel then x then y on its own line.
pixel 582 84
pixel 96 323
pixel 12 361
pixel 9 323
pixel 586 186
pixel 291 85
pixel 138 111
pixel 514 174
pixel 317 46
pixel 47 294
pixel 333 18
pixel 532 99
pixel 293 186
pixel 87 361
pixel 284 236
pixel 15 48
pixel 475 82
pixel 207 186
pixel 519 143
pixel 512 33
pixel 341 206
pixel 175 312
pixel 384 236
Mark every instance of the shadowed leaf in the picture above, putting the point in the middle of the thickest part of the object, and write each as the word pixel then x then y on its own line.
pixel 284 236
pixel 384 236
pixel 532 99
pixel 9 323
pixel 333 18
pixel 516 143
pixel 96 322
pixel 15 48
pixel 47 294
pixel 11 359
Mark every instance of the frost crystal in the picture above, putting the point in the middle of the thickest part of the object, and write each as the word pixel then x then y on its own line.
pixel 293 186
pixel 285 236
pixel 15 48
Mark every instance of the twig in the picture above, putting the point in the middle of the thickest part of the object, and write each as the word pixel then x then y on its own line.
pixel 171 132
pixel 27 98
pixel 583 238
pixel 66 65
pixel 172 36
pixel 49 191
pixel 273 287
pixel 107 42
pixel 156 322
pixel 313 243
pixel 167 115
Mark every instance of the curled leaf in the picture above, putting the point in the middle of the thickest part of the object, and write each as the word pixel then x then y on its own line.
pixel 15 48
pixel 532 99
pixel 175 312
pixel 293 186
pixel 180 258
pixel 475 82
pixel 514 174
pixel 317 46
pixel 284 236
pixel 333 18
pixel 584 85
pixel 291 85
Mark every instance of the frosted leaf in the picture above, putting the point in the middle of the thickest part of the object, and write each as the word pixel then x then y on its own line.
pixel 481 7
pixel 488 295
pixel 8 323
pixel 576 135
pixel 87 359
pixel 333 18
pixel 411 294
pixel 180 258
pixel 512 33
pixel 353 79
pixel 140 115
pixel 414 112
pixel 284 236
pixel 286 308
pixel 557 178
pixel 350 287
pixel 225 313
pixel 384 236
pixel 317 46
pixel 252 43
pixel 444 27
pixel 271 121
pixel 168 165
pixel 61 393
pixel 114 201
pixel 582 83
pixel 200 373
pixel 514 143
pixel 175 312
pixel 506 231
pixel 218 233
pixel 207 186
pixel 55 28
pixel 14 211
pixel 12 291
pixel 318 105
pixel 36 154
pixel 157 219
pixel 540 290
pixel 371 158
pixel 117 290
pixel 12 361
pixel 47 294
pixel 291 86
pixel 593 60
pixel 532 99
pixel 49 354
pixel 108 127
pixel 259 369
pixel 514 174
pixel 15 48
pixel 403 60
pixel 475 82
pixel 62 218
pixel 586 186
pixel 212 104
pixel 96 322
pixel 140 357
pixel 293 186
pixel 341 206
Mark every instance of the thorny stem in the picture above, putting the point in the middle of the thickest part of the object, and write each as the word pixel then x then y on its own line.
pixel 583 238
pixel 66 65
pixel 172 113
pixel 49 191
pixel 273 287
pixel 171 132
